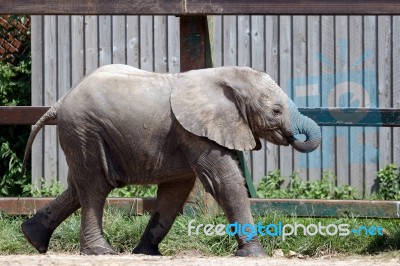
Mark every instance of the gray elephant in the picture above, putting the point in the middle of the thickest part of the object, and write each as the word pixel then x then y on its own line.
pixel 121 125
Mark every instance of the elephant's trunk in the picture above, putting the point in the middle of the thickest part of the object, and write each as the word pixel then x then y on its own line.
pixel 301 124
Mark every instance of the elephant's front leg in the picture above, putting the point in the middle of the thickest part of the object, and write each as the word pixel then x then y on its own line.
pixel 219 173
pixel 171 197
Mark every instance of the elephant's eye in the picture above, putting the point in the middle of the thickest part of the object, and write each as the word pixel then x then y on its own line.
pixel 277 110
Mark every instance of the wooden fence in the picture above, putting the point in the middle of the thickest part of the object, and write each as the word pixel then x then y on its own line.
pixel 325 116
pixel 346 61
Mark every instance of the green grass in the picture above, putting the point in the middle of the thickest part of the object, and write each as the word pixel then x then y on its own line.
pixel 123 233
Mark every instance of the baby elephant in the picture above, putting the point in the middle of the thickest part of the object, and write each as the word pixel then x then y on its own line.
pixel 121 125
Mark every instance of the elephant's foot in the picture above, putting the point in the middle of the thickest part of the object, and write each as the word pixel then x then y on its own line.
pixel 252 249
pixel 146 250
pixel 37 234
pixel 100 247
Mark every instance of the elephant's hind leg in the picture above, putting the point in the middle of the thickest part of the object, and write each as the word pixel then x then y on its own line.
pixel 86 160
pixel 171 197
pixel 91 236
pixel 38 229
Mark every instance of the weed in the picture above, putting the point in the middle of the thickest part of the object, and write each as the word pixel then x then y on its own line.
pixel 15 89
pixel 47 189
pixel 135 191
pixel 270 187
pixel 389 183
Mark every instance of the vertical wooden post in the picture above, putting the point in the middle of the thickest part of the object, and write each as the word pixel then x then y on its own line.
pixel 194 41
pixel 196 54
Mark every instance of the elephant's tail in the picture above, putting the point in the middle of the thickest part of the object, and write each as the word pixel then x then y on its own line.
pixel 51 114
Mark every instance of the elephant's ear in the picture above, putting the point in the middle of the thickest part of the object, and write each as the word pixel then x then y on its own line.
pixel 205 105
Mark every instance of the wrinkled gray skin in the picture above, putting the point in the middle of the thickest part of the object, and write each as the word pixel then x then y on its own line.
pixel 121 125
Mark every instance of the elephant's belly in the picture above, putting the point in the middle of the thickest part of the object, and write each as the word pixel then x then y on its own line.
pixel 147 169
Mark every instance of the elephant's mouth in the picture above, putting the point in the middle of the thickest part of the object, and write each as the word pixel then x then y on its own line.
pixel 278 138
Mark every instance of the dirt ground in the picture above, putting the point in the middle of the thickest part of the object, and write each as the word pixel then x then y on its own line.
pixel 50 259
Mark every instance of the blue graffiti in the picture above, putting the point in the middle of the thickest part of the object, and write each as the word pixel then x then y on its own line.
pixel 341 89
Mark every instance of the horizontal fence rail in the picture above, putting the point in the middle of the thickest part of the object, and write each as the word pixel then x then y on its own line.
pixel 374 117
pixel 389 117
pixel 197 7
pixel 22 115
pixel 291 207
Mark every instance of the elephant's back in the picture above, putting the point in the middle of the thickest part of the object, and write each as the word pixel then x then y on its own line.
pixel 122 69
pixel 126 96
pixel 120 89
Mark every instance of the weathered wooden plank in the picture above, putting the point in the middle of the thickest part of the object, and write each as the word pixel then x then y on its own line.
pixel 371 154
pixel 384 86
pixel 272 69
pixel 18 117
pixel 229 45
pixel 350 116
pixel 257 57
pixel 327 90
pixel 184 7
pixel 118 39
pixel 396 82
pixel 96 7
pixel 50 95
pixel 285 76
pixel 244 41
pixel 91 43
pixel 160 44
pixel 217 41
pixel 238 29
pixel 77 49
pixel 105 40
pixel 356 92
pixel 29 206
pixel 299 40
pixel 291 207
pixel 313 81
pixel 64 81
pixel 327 208
pixel 342 97
pixel 146 43
pixel 291 7
pixel 173 45
pixel 132 41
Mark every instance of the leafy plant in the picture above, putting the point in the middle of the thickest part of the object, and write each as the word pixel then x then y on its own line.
pixel 270 187
pixel 55 188
pixel 47 189
pixel 135 191
pixel 15 87
pixel 389 183
pixel 10 182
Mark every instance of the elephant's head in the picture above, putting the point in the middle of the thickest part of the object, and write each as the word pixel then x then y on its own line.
pixel 235 106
